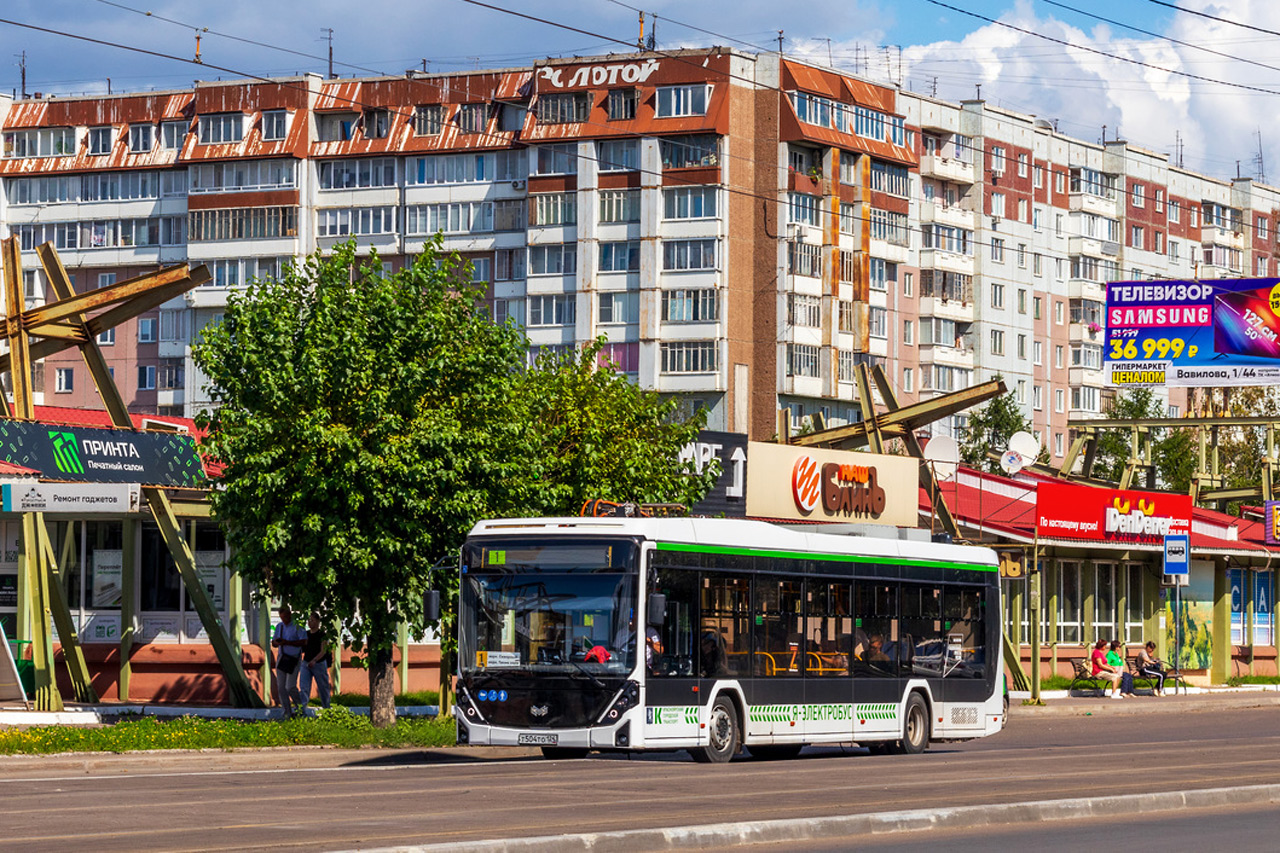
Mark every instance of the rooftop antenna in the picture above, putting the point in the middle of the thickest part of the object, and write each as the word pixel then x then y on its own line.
pixel 329 33
pixel 652 42
pixel 779 42
pixel 22 65
pixel 978 86
pixel 1259 165
pixel 830 62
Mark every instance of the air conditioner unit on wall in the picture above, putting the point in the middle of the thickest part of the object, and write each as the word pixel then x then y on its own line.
pixel 517 185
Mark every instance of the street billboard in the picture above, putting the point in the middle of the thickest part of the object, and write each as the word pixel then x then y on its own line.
pixel 1070 511
pixel 1183 333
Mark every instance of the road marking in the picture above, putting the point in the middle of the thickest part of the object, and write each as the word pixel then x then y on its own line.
pixel 88 775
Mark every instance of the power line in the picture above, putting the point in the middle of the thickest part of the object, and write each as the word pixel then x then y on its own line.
pixel 1116 57
pixel 1217 18
pixel 1178 42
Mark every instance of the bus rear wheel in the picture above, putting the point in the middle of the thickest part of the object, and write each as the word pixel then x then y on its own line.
pixel 563 752
pixel 724 737
pixel 915 727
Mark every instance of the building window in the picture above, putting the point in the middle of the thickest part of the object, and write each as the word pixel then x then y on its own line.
pixel 878 322
pixel 617 307
pixel 141 137
pixel 891 227
pixel 805 209
pixel 908 284
pixel 45 142
pixel 804 310
pixel 146 377
pixel 1022 261
pixel 997 342
pixel 358 173
pixel 553 259
pixel 255 175
pixel 100 140
pixel 1135 236
pixel 694 305
pixel 274 125
pixel 1059 398
pixel 880 273
pixel 172 133
pixel 557 310
pixel 243 223
pixel 997 205
pixel 1022 346
pixel 620 205
pixel 1175 211
pixel 619 155
pixel 107 338
pixel 563 107
pixel 908 332
pixel 172 375
pixel 508 264
pixel 472 118
pixel 1058 356
pixel 680 152
pixel 890 178
pixel 689 202
pixel 802 360
pixel 620 257
pixel 1139 195
pixel 65 379
pixel 1037 176
pixel 621 104
pixel 1159 201
pixel 1037 398
pixel 908 379
pixel 997 250
pixel 173 325
pixel 689 357
pixel 1085 398
pixel 997 295
pixel 228 127
pixel 1057 312
pixel 689 254
pixel 1057 440
pixel 997 160
pixel 561 159
pixel 428 120
pixel 146 330
pixel 844 315
pixel 688 100
pixel 1022 165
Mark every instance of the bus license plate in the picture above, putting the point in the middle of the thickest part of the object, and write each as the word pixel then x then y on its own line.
pixel 538 739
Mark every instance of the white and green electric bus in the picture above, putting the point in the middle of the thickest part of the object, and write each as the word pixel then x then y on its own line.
pixel 711 635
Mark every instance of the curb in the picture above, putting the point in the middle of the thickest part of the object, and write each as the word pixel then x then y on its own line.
pixel 813 829
pixel 93 715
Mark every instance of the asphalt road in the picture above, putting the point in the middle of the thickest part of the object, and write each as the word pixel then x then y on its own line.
pixel 331 799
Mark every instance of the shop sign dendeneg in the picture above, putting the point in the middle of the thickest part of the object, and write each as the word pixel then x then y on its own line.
pixel 1065 511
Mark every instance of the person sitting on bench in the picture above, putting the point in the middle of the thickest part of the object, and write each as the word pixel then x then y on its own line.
pixel 1104 670
pixel 1150 666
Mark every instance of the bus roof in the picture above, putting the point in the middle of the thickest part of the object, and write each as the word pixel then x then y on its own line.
pixel 737 534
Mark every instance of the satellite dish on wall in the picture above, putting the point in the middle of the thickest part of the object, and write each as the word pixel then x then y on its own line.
pixel 1026 445
pixel 1011 462
pixel 943 454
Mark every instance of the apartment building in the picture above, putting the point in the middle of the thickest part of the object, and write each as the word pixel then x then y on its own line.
pixel 743 229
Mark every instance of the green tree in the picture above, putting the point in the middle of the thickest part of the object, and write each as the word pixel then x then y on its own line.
pixel 990 429
pixel 366 422
pixel 1116 445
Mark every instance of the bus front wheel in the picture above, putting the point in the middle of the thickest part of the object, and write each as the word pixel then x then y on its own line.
pixel 723 737
pixel 915 727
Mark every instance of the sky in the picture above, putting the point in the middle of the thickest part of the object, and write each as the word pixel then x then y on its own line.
pixel 1153 72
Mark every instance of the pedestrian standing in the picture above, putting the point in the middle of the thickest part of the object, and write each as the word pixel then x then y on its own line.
pixel 315 664
pixel 289 640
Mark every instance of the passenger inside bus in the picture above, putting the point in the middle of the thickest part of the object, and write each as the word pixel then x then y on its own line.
pixel 712 658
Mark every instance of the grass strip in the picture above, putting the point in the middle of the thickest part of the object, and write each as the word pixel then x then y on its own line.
pixel 336 726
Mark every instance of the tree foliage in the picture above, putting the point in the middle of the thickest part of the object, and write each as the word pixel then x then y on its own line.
pixel 990 428
pixel 367 421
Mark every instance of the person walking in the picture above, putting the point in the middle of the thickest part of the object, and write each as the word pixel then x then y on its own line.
pixel 288 640
pixel 315 665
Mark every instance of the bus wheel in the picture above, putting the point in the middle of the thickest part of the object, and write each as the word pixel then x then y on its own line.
pixel 554 752
pixel 915 727
pixel 775 752
pixel 722 732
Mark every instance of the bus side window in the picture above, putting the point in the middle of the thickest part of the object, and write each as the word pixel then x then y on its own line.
pixel 777 607
pixel 875 638
pixel 726 611
pixel 828 628
pixel 677 631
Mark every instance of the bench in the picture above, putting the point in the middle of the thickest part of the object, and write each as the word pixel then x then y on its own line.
pixel 1086 680
pixel 1171 676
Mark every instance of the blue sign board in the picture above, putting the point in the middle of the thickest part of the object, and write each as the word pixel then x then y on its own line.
pixel 1179 333
pixel 1177 554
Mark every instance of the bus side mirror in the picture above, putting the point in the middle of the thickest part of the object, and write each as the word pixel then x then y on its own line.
pixel 657 609
pixel 431 605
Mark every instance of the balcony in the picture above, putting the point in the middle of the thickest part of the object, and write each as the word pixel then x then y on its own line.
pixel 1087 377
pixel 1090 203
pixel 941 259
pixel 962 311
pixel 892 252
pixel 1079 333
pixel 1082 288
pixel 1093 247
pixel 947 169
pixel 961 356
pixel 1210 236
pixel 947 214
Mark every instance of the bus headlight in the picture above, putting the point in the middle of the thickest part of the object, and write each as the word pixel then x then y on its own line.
pixel 628 697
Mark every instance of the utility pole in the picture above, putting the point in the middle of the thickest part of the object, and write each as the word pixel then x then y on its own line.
pixel 329 33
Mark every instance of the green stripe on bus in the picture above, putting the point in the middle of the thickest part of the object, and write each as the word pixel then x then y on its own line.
pixel 807 555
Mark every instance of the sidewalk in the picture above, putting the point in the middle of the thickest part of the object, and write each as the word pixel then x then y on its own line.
pixel 106 712
pixel 1057 703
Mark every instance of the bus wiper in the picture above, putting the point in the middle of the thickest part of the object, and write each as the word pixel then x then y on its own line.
pixel 588 673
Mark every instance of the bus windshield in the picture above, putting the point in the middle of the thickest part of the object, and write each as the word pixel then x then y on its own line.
pixel 548 606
